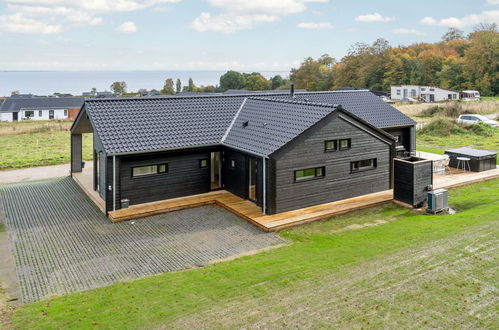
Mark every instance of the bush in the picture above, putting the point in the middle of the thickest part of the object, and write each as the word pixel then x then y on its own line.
pixel 482 129
pixel 452 110
pixel 442 127
pixel 434 110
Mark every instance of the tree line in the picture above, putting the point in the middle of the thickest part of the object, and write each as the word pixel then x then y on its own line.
pixel 457 62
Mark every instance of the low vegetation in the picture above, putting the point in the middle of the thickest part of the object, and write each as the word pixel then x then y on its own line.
pixel 444 133
pixel 411 271
pixel 422 111
pixel 38 143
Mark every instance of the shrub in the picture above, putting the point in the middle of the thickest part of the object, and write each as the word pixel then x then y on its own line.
pixel 442 127
pixel 434 110
pixel 453 110
pixel 482 129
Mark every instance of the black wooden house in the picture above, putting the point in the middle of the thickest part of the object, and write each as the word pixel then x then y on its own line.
pixel 283 151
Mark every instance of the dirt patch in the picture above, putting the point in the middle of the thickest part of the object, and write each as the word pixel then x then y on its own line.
pixel 451 281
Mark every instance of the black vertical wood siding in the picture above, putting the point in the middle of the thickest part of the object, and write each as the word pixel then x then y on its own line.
pixel 411 181
pixel 307 151
pixel 184 176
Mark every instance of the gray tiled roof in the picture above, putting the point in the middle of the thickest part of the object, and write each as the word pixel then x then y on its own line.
pixel 363 104
pixel 14 104
pixel 128 125
pixel 147 124
pixel 265 125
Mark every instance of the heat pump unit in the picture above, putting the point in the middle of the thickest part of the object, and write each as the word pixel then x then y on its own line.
pixel 438 201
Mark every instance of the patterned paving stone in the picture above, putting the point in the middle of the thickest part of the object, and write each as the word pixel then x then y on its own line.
pixel 62 243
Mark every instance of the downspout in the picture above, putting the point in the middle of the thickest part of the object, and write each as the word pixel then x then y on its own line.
pixel 264 193
pixel 114 183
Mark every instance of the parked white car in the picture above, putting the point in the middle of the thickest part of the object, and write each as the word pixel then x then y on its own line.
pixel 474 119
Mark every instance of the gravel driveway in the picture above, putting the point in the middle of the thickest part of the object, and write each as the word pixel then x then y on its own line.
pixel 62 243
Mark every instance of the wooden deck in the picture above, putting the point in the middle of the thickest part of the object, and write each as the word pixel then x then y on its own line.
pixel 252 213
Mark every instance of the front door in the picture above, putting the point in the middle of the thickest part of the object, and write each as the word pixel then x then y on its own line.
pixel 15 116
pixel 216 170
pixel 252 178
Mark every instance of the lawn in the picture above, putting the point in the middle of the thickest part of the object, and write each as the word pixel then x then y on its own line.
pixel 384 267
pixel 28 144
pixel 438 143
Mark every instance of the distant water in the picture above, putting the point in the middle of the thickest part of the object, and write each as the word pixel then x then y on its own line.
pixel 76 82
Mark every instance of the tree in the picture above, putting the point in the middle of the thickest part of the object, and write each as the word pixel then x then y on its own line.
pixel 168 87
pixel 276 82
pixel 257 82
pixel 93 91
pixel 178 86
pixel 313 75
pixel 191 87
pixel 232 80
pixel 118 88
pixel 453 34
pixel 482 65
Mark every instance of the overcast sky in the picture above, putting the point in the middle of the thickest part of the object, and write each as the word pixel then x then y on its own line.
pixel 215 34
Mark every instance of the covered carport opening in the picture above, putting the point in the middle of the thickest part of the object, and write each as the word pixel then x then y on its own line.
pixel 82 125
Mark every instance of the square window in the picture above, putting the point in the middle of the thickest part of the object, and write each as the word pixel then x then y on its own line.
pixel 203 163
pixel 163 168
pixel 331 145
pixel 345 144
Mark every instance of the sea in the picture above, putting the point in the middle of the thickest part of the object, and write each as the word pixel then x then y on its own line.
pixel 76 82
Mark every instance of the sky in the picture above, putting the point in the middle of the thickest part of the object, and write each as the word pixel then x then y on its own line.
pixel 241 35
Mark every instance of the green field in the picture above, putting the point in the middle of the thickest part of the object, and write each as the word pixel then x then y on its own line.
pixel 384 267
pixel 29 144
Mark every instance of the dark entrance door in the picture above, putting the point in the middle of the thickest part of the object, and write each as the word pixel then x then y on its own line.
pixel 252 178
pixel 216 170
pixel 15 116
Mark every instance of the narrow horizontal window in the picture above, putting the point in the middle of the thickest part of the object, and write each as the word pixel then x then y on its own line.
pixel 309 174
pixel 149 170
pixel 363 165
pixel 331 145
pixel 345 144
pixel 203 163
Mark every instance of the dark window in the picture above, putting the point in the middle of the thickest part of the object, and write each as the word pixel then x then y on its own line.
pixel 309 174
pixel 363 165
pixel 331 145
pixel 423 89
pixel 65 113
pixel 345 144
pixel 432 89
pixel 203 163
pixel 149 170
pixel 232 163
pixel 29 114
pixel 40 113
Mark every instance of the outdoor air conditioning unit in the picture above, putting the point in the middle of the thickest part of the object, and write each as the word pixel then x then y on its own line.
pixel 438 201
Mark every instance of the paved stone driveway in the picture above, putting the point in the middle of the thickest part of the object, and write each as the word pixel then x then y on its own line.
pixel 62 243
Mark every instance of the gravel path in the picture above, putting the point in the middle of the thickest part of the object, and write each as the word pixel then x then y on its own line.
pixel 63 243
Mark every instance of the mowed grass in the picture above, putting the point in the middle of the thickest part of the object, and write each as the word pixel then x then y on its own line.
pixel 409 270
pixel 29 144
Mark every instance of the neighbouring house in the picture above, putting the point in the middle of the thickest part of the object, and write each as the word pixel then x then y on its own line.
pixel 283 151
pixel 40 108
pixel 423 93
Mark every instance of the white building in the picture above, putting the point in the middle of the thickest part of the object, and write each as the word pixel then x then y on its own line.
pixel 423 93
pixel 40 108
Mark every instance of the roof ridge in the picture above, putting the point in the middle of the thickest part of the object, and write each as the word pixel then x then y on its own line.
pixel 295 101
pixel 174 97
